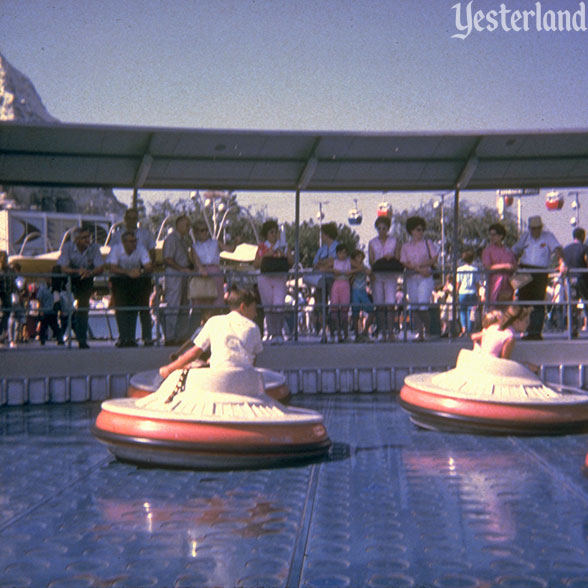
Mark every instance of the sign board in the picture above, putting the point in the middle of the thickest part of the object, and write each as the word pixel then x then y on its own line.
pixel 519 192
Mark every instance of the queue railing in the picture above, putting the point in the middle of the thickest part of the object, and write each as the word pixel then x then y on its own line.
pixel 306 319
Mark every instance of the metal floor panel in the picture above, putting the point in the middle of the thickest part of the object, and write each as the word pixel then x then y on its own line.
pixel 393 506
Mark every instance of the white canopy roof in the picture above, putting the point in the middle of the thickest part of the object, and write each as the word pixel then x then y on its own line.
pixel 168 158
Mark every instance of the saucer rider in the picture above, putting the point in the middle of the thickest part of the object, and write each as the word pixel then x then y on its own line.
pixel 234 339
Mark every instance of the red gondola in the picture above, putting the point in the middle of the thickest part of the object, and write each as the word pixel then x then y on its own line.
pixel 554 200
pixel 384 209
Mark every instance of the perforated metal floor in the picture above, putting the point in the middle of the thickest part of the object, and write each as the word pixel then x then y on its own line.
pixel 393 506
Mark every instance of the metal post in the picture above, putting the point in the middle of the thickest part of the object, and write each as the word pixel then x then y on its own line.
pixel 454 261
pixel 320 220
pixel 443 236
pixel 569 295
pixel 436 205
pixel 296 260
pixel 68 289
pixel 323 284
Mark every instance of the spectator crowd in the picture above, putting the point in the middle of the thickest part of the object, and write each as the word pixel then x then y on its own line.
pixel 393 286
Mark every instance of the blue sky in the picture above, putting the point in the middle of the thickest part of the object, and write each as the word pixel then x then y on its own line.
pixel 379 65
pixel 382 65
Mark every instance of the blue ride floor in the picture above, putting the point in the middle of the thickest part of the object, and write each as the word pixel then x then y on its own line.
pixel 392 506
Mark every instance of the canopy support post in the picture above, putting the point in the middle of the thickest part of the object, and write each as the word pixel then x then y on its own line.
pixel 296 260
pixel 454 261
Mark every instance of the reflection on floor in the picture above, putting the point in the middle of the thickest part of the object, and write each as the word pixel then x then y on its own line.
pixel 392 506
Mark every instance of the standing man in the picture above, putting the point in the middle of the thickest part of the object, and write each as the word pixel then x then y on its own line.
pixel 534 250
pixel 81 260
pixel 575 256
pixel 146 240
pixel 177 261
pixel 144 236
pixel 129 263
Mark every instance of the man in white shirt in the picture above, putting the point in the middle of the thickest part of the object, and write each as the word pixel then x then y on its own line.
pixel 129 263
pixel 535 250
pixel 147 240
pixel 144 236
pixel 81 260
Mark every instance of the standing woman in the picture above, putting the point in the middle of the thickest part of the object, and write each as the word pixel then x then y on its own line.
pixel 384 252
pixel 501 262
pixel 178 264
pixel 273 259
pixel 419 255
pixel 206 259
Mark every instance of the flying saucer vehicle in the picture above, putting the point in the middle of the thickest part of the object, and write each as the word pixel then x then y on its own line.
pixel 147 382
pixel 483 394
pixel 210 419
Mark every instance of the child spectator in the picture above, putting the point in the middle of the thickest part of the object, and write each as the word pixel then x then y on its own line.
pixel 467 290
pixel 33 317
pixel 63 301
pixel 17 312
pixel 360 299
pixel 340 294
pixel 48 313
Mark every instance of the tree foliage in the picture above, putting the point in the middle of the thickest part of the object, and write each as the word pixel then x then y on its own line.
pixel 473 223
pixel 166 209
pixel 238 225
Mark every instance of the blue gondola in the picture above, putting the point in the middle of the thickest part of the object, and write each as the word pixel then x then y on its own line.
pixel 355 216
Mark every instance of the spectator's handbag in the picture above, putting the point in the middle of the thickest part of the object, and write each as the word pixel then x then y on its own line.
pixel 437 277
pixel 520 280
pixel 274 265
pixel 202 287
pixel 387 265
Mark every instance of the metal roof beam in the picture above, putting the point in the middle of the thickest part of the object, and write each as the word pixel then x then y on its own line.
pixel 309 168
pixel 144 166
pixel 469 168
pixel 143 171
